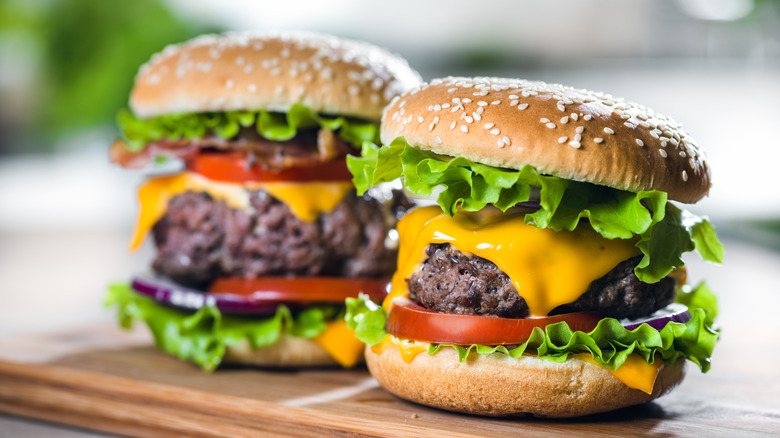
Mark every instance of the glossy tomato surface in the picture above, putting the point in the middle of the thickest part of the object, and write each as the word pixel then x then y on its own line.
pixel 408 320
pixel 235 167
pixel 301 289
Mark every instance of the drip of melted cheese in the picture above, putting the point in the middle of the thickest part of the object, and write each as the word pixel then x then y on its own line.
pixel 306 199
pixel 547 268
pixel 341 344
pixel 635 372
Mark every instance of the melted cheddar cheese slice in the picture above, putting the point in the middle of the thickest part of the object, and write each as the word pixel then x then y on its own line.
pixel 306 199
pixel 341 344
pixel 547 268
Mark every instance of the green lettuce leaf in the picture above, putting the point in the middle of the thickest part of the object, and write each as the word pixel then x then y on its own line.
pixel 203 336
pixel 609 343
pixel 276 126
pixel 665 231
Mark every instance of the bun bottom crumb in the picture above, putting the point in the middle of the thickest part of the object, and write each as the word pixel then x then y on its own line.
pixel 498 385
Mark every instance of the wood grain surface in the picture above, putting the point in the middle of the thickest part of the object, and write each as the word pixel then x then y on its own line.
pixel 104 379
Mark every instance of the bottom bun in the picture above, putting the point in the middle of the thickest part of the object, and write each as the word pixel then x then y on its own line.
pixel 289 351
pixel 499 385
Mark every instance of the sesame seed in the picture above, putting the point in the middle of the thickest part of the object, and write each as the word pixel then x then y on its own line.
pixel 506 140
pixel 450 90
pixel 464 128
pixel 565 120
pixel 580 129
pixel 578 137
pixel 561 107
pixel 691 163
pixel 609 131
pixel 240 61
pixel 466 100
pixel 640 142
pixel 684 175
pixel 501 142
pixel 452 125
pixel 437 107
pixel 574 116
pixel 469 119
pixel 575 144
pixel 436 119
pixel 279 89
pixel 482 103
pixel 550 125
pixel 285 52
pixel 477 117
pixel 682 154
pixel 249 68
pixel 662 152
pixel 513 96
pixel 654 134
pixel 489 125
pixel 522 106
pixel 437 140
pixel 563 139
pixel 456 100
pixel 230 83
pixel 445 105
pixel 252 88
pixel 431 126
pixel 663 144
pixel 598 140
pixel 544 120
pixel 495 102
pixel 587 117
pixel 495 131
pixel 514 102
pixel 629 124
pixel 420 119
pixel 480 110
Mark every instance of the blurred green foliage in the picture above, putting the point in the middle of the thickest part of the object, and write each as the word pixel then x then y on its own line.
pixel 89 53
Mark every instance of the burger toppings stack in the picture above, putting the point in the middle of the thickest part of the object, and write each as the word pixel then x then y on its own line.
pixel 258 231
pixel 548 277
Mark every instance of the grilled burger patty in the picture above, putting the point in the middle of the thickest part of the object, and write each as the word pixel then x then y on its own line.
pixel 452 282
pixel 200 239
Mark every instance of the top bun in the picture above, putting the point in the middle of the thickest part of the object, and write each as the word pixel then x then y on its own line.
pixel 272 71
pixel 562 131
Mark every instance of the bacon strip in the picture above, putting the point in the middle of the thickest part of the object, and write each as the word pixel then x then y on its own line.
pixel 305 149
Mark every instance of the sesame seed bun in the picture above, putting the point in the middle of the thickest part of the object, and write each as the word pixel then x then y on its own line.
pixel 272 71
pixel 570 133
pixel 499 385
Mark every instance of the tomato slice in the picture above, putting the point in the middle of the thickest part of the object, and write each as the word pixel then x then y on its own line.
pixel 234 167
pixel 302 291
pixel 408 320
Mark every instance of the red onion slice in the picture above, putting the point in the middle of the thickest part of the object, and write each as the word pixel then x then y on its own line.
pixel 180 297
pixel 674 312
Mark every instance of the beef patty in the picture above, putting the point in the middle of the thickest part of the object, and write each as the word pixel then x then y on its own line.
pixel 200 239
pixel 452 282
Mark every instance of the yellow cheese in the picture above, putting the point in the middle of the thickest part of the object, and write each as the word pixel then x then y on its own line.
pixel 408 349
pixel 306 199
pixel 635 372
pixel 547 268
pixel 341 344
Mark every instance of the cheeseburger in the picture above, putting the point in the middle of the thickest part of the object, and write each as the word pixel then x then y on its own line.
pixel 546 279
pixel 259 234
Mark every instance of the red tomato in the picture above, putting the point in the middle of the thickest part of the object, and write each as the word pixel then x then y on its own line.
pixel 233 167
pixel 303 291
pixel 408 320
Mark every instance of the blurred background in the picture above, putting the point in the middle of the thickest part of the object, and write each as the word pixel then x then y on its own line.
pixel 67 66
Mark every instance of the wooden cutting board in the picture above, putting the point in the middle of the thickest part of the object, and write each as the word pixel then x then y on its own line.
pixel 114 381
